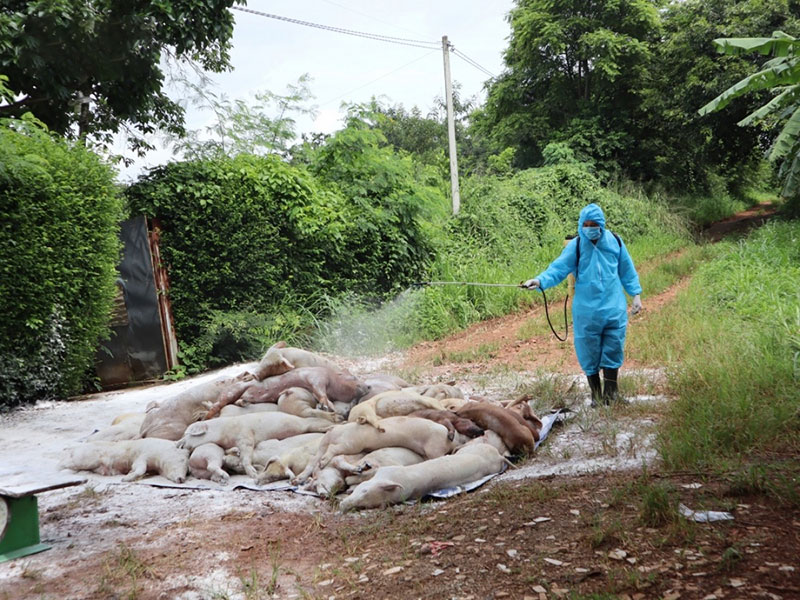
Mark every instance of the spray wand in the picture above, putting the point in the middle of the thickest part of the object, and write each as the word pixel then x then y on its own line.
pixel 421 284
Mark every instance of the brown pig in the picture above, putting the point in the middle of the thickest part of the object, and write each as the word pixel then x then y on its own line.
pixel 326 384
pixel 506 423
pixel 450 420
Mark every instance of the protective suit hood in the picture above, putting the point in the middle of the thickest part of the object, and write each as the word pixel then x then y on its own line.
pixel 591 212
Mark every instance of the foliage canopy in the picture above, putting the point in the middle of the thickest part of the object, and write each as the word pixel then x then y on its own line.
pixel 781 74
pixel 97 64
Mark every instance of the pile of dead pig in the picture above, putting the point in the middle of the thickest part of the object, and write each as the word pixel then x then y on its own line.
pixel 302 418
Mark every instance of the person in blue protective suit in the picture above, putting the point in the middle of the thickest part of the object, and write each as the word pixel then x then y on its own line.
pixel 602 267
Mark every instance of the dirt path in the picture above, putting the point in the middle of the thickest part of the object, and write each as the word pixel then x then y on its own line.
pixel 578 520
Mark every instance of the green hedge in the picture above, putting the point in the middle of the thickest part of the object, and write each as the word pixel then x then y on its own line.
pixel 255 246
pixel 59 210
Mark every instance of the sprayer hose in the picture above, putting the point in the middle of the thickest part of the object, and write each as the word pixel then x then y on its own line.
pixel 566 323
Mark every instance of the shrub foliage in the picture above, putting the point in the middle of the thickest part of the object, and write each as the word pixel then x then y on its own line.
pixel 252 242
pixel 59 247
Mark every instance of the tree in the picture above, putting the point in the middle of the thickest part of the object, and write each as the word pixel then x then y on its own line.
pixel 95 65
pixel 780 74
pixel 574 70
pixel 263 125
pixel 680 148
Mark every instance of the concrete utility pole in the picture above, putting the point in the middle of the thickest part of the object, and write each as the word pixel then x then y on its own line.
pixel 451 127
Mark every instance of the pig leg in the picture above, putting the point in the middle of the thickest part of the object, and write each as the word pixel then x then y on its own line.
pixel 370 417
pixel 138 469
pixel 246 448
pixel 344 465
pixel 229 396
pixel 218 474
pixel 322 396
pixel 296 407
pixel 311 467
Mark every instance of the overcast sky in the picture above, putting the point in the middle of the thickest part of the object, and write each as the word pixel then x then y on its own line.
pixel 269 54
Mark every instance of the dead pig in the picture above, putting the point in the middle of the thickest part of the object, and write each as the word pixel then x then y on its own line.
pixel 422 436
pixel 326 384
pixel 281 358
pixel 170 418
pixel 131 457
pixel 246 431
pixel 392 485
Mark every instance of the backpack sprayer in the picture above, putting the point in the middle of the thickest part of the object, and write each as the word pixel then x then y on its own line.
pixel 420 284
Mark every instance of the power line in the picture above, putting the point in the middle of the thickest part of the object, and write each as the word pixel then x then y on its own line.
pixel 468 60
pixel 347 8
pixel 379 78
pixel 372 36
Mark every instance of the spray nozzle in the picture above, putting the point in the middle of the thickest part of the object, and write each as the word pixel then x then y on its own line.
pixel 420 284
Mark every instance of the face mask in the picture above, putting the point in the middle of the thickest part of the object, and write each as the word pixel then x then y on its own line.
pixel 593 233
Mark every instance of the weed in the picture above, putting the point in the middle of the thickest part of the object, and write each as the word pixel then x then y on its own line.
pixel 250 585
pixel 124 567
pixel 730 559
pixel 658 505
pixel 30 573
pixel 276 567
pixel 775 480
pixel 605 534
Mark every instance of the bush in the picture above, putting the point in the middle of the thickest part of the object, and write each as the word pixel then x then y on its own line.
pixel 387 245
pixel 59 247
pixel 239 236
pixel 254 244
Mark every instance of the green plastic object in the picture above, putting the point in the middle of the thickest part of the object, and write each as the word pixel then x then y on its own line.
pixel 19 527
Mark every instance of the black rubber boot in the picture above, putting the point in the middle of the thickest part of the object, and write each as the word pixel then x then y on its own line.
pixel 610 391
pixel 595 387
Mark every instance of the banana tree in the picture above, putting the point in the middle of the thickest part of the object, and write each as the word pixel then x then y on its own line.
pixel 782 75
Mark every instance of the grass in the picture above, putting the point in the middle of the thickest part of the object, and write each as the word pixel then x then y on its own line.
pixel 730 347
pixel 482 352
pixel 126 569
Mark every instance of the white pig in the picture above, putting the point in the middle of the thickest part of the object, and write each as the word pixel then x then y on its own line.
pixel 232 410
pixel 280 358
pixel 394 403
pixel 124 427
pixel 245 431
pixel 206 462
pixel 384 457
pixel 423 436
pixel 134 457
pixel 391 485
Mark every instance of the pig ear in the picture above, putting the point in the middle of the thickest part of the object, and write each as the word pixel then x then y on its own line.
pixel 197 428
pixel 280 344
pixel 391 487
pixel 286 363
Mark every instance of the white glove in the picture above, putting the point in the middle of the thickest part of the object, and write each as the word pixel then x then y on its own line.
pixel 636 306
pixel 531 284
